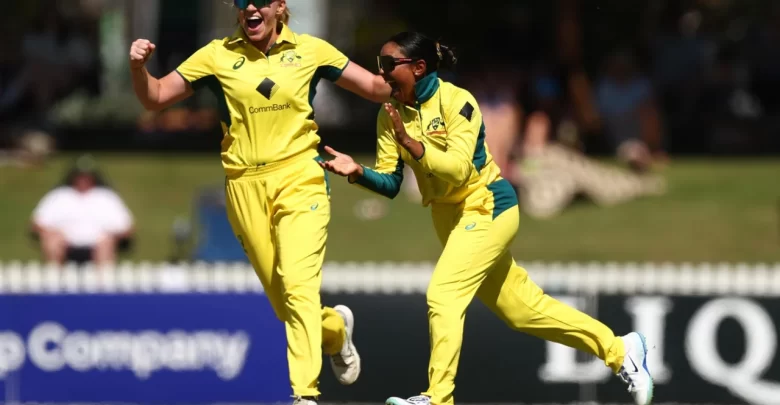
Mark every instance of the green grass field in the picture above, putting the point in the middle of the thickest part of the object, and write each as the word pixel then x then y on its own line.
pixel 714 211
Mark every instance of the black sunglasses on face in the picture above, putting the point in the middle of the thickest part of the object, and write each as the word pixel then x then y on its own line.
pixel 387 63
pixel 243 4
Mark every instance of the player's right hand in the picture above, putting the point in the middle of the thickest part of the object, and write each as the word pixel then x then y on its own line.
pixel 140 52
pixel 342 164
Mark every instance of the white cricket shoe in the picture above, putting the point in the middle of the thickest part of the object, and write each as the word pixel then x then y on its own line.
pixel 346 363
pixel 415 400
pixel 634 371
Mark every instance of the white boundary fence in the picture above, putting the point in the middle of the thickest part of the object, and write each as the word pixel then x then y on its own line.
pixel 759 280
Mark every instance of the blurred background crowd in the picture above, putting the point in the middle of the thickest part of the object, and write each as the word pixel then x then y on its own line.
pixel 641 130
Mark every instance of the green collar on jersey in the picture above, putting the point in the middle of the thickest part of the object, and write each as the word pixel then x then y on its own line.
pixel 426 87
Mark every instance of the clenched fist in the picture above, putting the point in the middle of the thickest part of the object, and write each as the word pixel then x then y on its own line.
pixel 140 52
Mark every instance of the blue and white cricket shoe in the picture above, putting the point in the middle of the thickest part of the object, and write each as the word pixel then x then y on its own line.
pixel 346 363
pixel 634 371
pixel 415 400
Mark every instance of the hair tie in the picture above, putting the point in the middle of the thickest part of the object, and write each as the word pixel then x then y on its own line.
pixel 438 51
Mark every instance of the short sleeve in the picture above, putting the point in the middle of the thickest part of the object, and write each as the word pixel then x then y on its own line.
pixel 48 212
pixel 330 61
pixel 199 65
pixel 118 218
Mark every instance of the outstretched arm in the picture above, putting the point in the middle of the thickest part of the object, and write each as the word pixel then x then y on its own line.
pixel 388 174
pixel 336 67
pixel 364 83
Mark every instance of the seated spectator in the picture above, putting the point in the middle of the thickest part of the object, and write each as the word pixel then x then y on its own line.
pixel 83 220
pixel 550 176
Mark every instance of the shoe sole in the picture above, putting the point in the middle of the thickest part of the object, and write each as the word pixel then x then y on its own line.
pixel 651 388
pixel 395 401
pixel 349 324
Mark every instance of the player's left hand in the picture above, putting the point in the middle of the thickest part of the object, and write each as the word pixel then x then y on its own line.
pixel 398 126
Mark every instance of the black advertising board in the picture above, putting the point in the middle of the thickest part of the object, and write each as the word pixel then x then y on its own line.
pixel 708 350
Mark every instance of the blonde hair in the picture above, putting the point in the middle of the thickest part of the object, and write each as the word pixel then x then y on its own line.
pixel 285 17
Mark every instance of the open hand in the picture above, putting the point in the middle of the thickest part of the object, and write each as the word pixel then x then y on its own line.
pixel 415 148
pixel 341 164
pixel 398 125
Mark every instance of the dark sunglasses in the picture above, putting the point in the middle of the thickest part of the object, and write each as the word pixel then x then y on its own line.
pixel 243 4
pixel 387 63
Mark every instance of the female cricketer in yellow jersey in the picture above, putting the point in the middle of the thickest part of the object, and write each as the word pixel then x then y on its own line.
pixel 265 77
pixel 436 128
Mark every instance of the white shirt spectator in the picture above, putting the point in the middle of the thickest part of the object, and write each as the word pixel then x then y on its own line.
pixel 83 218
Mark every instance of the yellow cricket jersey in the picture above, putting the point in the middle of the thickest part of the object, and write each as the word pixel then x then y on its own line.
pixel 264 100
pixel 456 163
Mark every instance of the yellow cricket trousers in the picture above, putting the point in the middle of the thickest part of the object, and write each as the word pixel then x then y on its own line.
pixel 476 261
pixel 280 214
